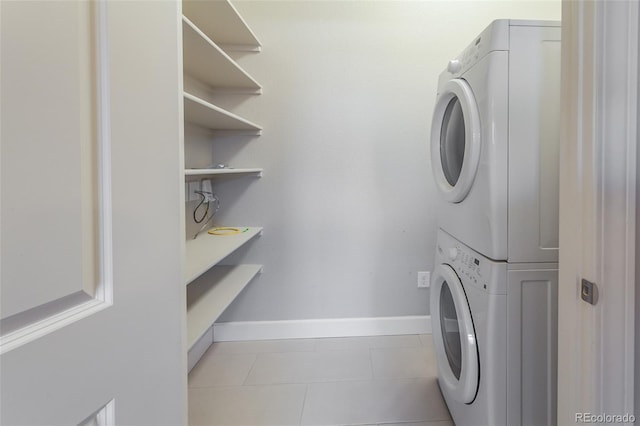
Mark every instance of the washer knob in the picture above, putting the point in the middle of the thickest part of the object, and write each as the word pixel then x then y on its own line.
pixel 454 66
pixel 453 253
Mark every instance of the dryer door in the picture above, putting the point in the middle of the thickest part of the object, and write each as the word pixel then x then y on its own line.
pixel 454 336
pixel 455 140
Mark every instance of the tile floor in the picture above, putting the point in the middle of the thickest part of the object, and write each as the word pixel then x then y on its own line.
pixel 381 380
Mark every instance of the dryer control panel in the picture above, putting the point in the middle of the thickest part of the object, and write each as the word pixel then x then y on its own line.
pixel 494 37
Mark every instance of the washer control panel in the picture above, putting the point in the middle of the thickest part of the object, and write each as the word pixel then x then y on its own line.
pixel 469 265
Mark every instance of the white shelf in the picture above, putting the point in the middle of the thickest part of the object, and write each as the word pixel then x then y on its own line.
pixel 209 296
pixel 222 172
pixel 206 62
pixel 207 250
pixel 222 23
pixel 201 112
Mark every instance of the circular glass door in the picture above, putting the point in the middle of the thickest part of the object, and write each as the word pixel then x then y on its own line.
pixel 454 336
pixel 455 140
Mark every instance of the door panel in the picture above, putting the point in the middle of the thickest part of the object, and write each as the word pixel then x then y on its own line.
pixel 93 312
pixel 534 144
pixel 532 338
pixel 49 140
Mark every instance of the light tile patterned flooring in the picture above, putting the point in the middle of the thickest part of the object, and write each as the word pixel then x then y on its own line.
pixel 380 380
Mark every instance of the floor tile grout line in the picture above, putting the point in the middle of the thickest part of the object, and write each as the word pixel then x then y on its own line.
pixel 235 352
pixel 255 361
pixel 317 382
pixel 373 373
pixel 304 402
pixel 316 348
pixel 314 382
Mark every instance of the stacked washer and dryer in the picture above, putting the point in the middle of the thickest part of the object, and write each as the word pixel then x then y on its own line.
pixel 494 152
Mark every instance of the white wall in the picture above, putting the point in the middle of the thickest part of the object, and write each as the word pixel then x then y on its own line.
pixel 347 195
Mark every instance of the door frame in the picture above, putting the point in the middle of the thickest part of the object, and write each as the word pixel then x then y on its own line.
pixel 598 184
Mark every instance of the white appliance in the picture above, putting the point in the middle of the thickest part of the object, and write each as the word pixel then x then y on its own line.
pixel 494 330
pixel 494 142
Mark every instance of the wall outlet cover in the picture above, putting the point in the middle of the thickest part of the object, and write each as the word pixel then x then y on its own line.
pixel 424 279
pixel 191 191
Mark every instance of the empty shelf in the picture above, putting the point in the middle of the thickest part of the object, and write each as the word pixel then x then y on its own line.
pixel 211 294
pixel 221 22
pixel 203 113
pixel 222 172
pixel 206 62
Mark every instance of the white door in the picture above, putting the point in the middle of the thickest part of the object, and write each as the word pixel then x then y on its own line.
pixel 598 202
pixel 454 336
pixel 92 310
pixel 455 140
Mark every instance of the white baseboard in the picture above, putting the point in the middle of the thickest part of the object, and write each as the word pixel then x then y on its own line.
pixel 343 327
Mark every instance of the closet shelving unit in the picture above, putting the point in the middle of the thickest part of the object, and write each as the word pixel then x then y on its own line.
pixel 210 29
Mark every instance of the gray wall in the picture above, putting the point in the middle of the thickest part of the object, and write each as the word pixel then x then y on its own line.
pixel 347 195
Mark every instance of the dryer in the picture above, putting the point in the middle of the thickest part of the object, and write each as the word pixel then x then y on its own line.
pixel 494 142
pixel 495 337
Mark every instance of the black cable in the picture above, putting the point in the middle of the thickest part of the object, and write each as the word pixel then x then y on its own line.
pixel 206 212
pixel 216 207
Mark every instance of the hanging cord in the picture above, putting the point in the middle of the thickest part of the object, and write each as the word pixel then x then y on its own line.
pixel 203 201
pixel 216 207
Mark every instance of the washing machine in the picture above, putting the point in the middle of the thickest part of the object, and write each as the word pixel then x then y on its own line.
pixel 495 142
pixel 494 331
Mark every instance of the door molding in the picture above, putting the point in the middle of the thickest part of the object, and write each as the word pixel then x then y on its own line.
pixel 597 208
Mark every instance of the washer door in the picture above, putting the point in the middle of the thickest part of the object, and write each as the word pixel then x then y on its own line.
pixel 455 140
pixel 454 336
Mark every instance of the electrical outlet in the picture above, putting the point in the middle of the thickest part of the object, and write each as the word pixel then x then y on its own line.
pixel 207 189
pixel 191 192
pixel 424 279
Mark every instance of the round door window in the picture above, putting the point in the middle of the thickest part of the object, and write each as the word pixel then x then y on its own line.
pixel 452 141
pixel 455 140
pixel 450 330
pixel 454 337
